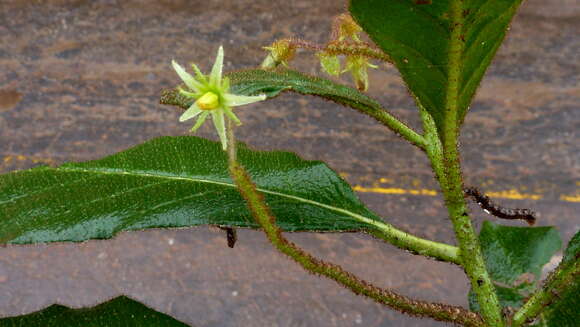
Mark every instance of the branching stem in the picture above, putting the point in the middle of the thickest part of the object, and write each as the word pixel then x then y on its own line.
pixel 266 220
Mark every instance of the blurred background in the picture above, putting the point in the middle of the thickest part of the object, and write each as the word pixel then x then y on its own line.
pixel 80 80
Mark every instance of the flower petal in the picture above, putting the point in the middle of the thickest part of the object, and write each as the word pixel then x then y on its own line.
pixel 186 77
pixel 191 112
pixel 232 116
pixel 200 76
pixel 233 100
pixel 187 93
pixel 199 121
pixel 218 122
pixel 215 77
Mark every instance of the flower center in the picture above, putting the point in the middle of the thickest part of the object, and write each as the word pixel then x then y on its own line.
pixel 208 101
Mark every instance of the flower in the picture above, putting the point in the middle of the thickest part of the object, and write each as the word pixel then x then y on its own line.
pixel 212 97
pixel 330 63
pixel 281 52
pixel 357 65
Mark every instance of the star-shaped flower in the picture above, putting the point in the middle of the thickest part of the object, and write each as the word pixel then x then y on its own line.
pixel 211 94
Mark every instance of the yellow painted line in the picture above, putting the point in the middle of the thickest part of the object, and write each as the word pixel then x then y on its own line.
pixel 10 158
pixel 570 198
pixel 507 194
pixel 394 190
pixel 513 195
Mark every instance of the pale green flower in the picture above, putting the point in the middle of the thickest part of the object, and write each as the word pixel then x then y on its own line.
pixel 358 65
pixel 212 97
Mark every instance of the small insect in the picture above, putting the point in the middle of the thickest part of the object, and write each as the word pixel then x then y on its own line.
pixel 495 210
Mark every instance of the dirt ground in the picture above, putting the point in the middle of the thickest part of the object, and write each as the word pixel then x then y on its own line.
pixel 80 80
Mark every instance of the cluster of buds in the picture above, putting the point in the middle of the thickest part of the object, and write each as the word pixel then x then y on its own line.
pixel 345 29
pixel 345 41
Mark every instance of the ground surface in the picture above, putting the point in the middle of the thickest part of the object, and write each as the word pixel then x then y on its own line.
pixel 80 80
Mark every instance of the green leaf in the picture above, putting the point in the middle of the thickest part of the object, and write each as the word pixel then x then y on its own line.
pixel 564 312
pixel 573 249
pixel 418 36
pixel 171 182
pixel 120 311
pixel 271 83
pixel 510 251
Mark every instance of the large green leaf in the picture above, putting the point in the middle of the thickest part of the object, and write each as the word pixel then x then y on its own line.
pixel 171 182
pixel 417 36
pixel 565 312
pixel 512 252
pixel 121 311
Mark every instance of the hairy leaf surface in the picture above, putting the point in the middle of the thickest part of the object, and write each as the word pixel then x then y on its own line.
pixel 171 182
pixel 514 257
pixel 564 312
pixel 417 36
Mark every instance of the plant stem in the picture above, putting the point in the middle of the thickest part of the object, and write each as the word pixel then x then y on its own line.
pixel 448 172
pixel 417 245
pixel 555 285
pixel 266 220
pixel 346 48
pixel 383 230
pixel 394 124
pixel 370 107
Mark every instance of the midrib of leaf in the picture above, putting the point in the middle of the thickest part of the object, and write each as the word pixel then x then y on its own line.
pixel 369 221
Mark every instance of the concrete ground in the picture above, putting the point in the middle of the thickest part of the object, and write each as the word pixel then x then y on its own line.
pixel 80 80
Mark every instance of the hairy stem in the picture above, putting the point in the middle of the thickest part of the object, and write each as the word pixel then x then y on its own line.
pixel 266 220
pixel 397 126
pixel 417 245
pixel 372 109
pixel 555 285
pixel 448 172
pixel 343 47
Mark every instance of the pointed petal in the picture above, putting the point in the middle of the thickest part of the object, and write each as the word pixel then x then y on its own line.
pixel 186 77
pixel 199 121
pixel 233 100
pixel 191 112
pixel 218 121
pixel 200 76
pixel 216 72
pixel 187 93
pixel 232 116
pixel 225 85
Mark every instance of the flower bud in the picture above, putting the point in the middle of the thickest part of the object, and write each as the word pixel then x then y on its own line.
pixel 329 63
pixel 357 65
pixel 348 28
pixel 281 52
